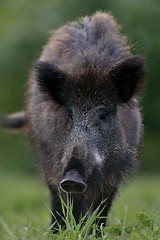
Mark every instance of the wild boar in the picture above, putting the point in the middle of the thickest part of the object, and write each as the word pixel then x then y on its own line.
pixel 82 113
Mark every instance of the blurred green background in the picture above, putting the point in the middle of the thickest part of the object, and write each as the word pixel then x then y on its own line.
pixel 24 29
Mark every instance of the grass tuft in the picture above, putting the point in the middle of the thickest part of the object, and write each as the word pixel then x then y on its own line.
pixel 23 215
pixel 74 230
pixel 6 228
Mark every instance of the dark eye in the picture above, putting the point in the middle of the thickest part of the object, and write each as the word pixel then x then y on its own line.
pixel 104 113
pixel 102 116
pixel 70 113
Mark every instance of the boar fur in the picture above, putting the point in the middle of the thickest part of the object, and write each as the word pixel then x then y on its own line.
pixel 82 114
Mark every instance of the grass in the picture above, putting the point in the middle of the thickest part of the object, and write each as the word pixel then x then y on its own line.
pixel 25 214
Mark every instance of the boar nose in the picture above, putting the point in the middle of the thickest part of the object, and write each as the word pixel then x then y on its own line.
pixel 73 182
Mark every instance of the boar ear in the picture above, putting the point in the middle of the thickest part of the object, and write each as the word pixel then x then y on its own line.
pixel 51 80
pixel 127 76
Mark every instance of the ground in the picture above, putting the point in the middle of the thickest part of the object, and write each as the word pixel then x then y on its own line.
pixel 25 212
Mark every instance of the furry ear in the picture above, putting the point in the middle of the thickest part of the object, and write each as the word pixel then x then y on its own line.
pixel 127 77
pixel 51 80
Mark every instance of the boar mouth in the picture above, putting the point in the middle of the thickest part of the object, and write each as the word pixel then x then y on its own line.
pixel 73 182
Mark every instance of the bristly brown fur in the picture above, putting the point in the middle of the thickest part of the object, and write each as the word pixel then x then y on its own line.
pixel 78 40
pixel 82 113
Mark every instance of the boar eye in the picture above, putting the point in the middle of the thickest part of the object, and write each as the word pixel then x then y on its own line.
pixel 102 116
pixel 104 113
pixel 70 113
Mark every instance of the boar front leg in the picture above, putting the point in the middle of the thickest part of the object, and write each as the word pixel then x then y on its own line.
pixel 56 208
pixel 104 207
pixel 79 208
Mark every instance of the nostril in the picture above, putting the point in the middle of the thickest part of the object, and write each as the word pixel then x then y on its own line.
pixel 73 182
pixel 65 186
pixel 73 187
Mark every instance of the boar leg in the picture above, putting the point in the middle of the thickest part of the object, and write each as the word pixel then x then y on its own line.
pixel 57 214
pixel 79 208
pixel 103 210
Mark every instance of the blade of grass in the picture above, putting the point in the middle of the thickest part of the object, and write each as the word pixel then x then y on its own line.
pixel 124 222
pixel 7 229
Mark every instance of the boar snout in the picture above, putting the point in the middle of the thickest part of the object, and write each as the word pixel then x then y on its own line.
pixel 73 182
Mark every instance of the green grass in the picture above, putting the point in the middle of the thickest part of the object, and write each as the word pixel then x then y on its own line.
pixel 25 214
